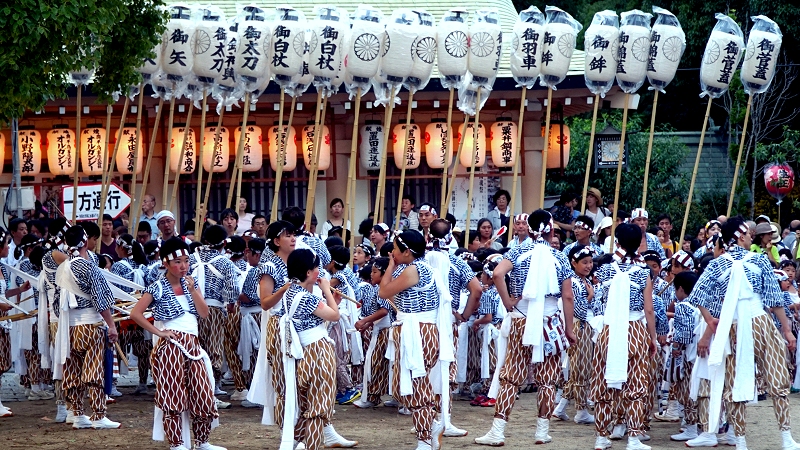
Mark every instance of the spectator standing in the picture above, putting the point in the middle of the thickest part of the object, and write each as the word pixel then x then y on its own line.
pixel 335 219
pixel 245 218
pixel 108 243
pixel 500 214
pixel 563 210
pixel 594 208
pixel 149 215
pixel 409 219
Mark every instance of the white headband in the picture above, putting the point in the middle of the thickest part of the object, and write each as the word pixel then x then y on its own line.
pixel 639 212
pixel 177 254
pixel 429 208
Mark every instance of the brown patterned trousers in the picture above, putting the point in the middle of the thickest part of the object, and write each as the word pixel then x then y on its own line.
pixel 682 388
pixel 275 360
pixel 580 365
pixel 212 335
pixel 316 392
pixel 134 338
pixel 421 402
pixel 241 379
pixel 343 380
pixel 83 370
pixel 34 360
pixel 379 383
pixel 57 384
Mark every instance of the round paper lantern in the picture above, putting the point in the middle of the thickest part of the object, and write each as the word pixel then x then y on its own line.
pixel 60 150
pixel 210 39
pixel 436 145
pixel 526 47
pixel 503 137
pixel 667 43
pixel 560 33
pixel 30 151
pixel 721 57
pixel 556 158
pixel 177 56
pixel 485 40
pixel 761 56
pixel 127 152
pixel 288 44
pixel 327 30
pixel 308 147
pixel 779 180
pixel 252 151
pixel 290 149
pixel 370 144
pixel 634 50
pixel 216 154
pixel 93 149
pixel 396 61
pixel 601 44
pixel 412 148
pixel 363 57
pixel 453 47
pixel 189 160
pixel 252 53
pixel 466 152
pixel 423 53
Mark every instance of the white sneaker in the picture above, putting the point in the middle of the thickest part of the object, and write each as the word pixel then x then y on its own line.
pixel 689 433
pixel 392 403
pixel 208 446
pixel 583 417
pixel 81 422
pixel 404 411
pixel 437 430
pixel 221 404
pixel 635 444
pixel 332 439
pixel 495 437
pixel 115 392
pixel 730 436
pixel 423 445
pixel 542 428
pixel 363 404
pixel 559 411
pixel 672 413
pixel 61 414
pixel 788 441
pixel 105 424
pixel 218 391
pixel 644 438
pixel 741 444
pixel 178 447
pixel 70 417
pixel 602 443
pixel 705 439
pixel 618 432
pixel 238 396
pixel 40 395
pixel 451 430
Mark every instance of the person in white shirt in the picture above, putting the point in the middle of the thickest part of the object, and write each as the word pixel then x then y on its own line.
pixel 335 218
pixel 245 218
pixel 409 219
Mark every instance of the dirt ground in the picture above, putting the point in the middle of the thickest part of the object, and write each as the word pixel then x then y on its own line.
pixel 32 428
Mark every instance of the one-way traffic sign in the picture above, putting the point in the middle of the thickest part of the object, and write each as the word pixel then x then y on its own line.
pixel 88 201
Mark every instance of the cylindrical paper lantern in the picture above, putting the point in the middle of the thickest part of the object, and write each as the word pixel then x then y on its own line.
pixel 127 150
pixel 30 151
pixel 177 57
pixel 667 43
pixel 290 155
pixel 225 83
pixel 217 154
pixel 327 30
pixel 60 150
pixel 634 50
pixel 93 149
pixel 423 52
pixel 288 44
pixel 252 152
pixel 466 152
pixel 557 159
pixel 453 47
pixel 485 40
pixel 601 44
pixel 763 48
pixel 370 144
pixel 412 148
pixel 436 154
pixel 721 57
pixel 503 136
pixel 210 39
pixel 363 56
pixel 252 53
pixel 308 147
pixel 151 66
pixel 526 47
pixel 397 62
pixel 189 160
pixel 337 81
pixel 560 34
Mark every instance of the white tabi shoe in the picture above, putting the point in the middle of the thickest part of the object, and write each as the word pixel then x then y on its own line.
pixel 81 423
pixel 5 412
pixel 208 446
pixel 221 404
pixel 218 391
pixel 618 432
pixel 334 440
pixel 178 447
pixel 451 430
pixel 61 414
pixel 238 396
pixel 363 403
pixel 788 441
pixel 583 417
pixel 437 430
pixel 542 428
pixel 602 443
pixel 672 414
pixel 105 424
pixel 70 417
pixel 559 411
pixel 299 445
pixel 705 439
pixel 635 444
pixel 495 437
pixel 729 438
pixel 423 445
pixel 690 432
pixel 741 443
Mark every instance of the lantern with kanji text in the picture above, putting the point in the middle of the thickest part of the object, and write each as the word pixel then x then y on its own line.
pixel 436 146
pixel 290 147
pixel 252 150
pixel 30 151
pixel 308 147
pixel 93 149
pixel 558 147
pixel 469 150
pixel 503 138
pixel 370 144
pixel 60 150
pixel 413 147
pixel 216 154
pixel 779 180
pixel 187 164
pixel 129 150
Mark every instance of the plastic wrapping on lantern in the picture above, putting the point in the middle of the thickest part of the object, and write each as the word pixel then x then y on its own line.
pixel 288 48
pixel 161 88
pixel 721 57
pixel 363 58
pixel 177 56
pixel 423 53
pixel 303 81
pixel 485 46
pixel 210 38
pixel 600 44
pixel 396 61
pixel 667 43
pixel 779 180
pixel 561 32
pixel 252 53
pixel 761 55
pixel 327 29
pixel 468 96
pixel 81 77
pixel 383 90
pixel 526 47
pixel 259 91
pixel 634 50
pixel 339 79
pixel 453 47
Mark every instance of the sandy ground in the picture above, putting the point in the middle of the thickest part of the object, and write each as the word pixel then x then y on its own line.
pixel 32 428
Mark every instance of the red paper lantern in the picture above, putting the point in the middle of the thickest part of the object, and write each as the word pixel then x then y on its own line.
pixel 779 180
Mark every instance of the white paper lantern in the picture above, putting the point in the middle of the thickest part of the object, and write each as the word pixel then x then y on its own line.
pixel 601 44
pixel 437 153
pixel 667 43
pixel 127 152
pixel 634 50
pixel 210 40
pixel 412 148
pixel 558 141
pixel 485 45
pixel 151 66
pixel 81 77
pixel 396 61
pixel 216 154
pixel 337 81
pixel 290 149
pixel 503 135
pixel 453 47
pixel 60 150
pixel 558 43
pixel 93 149
pixel 177 56
pixel 370 144
pixel 308 147
pixel 325 46
pixel 423 53
pixel 252 56
pixel 252 152
pixel 761 56
pixel 30 151
pixel 363 56
pixel 721 57
pixel 288 44
pixel 526 47
pixel 187 164
pixel 467 151
pixel 226 81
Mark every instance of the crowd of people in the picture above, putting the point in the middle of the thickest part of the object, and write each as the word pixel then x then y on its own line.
pixel 622 327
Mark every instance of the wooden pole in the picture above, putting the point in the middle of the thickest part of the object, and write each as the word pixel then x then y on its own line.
pixel 200 155
pixel 405 158
pixel 739 157
pixel 475 129
pixel 445 199
pixel 103 167
pixel 186 132
pixel 201 216
pixel 112 164
pixel 134 215
pixel 239 153
pixel 517 162
pixel 317 145
pixel 150 152
pixel 167 155
pixel 452 185
pixel 387 122
pixel 589 155
pixel 546 145
pixel 620 157
pixel 649 150
pixel 76 161
pixel 694 172
pixel 281 159
pixel 351 175
pixel 314 161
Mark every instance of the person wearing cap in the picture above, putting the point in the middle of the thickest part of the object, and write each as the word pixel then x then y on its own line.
pixel 765 242
pixel 594 206
pixel 746 283
pixel 602 233
pixel 499 215
pixel 641 218
pixel 379 235
pixel 762 219
pixel 165 221
pixel 583 228
pixel 426 215
pixel 520 230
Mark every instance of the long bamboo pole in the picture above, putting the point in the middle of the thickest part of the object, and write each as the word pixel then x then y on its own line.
pixel 103 166
pixel 168 154
pixel 76 161
pixel 150 152
pixel 111 166
pixel 200 156
pixel 475 130
pixel 694 172
pixel 739 157
pixel 312 175
pixel 239 153
pixel 443 207
pixel 589 154
pixel 186 132
pixel 620 157
pixel 453 174
pixel 281 159
pixel 201 215
pixel 517 162
pixel 387 122
pixel 317 145
pixel 405 159
pixel 351 175
pixel 546 145
pixel 649 149
pixel 134 214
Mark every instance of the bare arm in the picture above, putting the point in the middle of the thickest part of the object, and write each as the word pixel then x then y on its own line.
pixel 499 278
pixel 390 287
pixel 786 328
pixel 199 302
pixel 568 300
pixel 650 314
pixel 474 298
pixel 113 335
